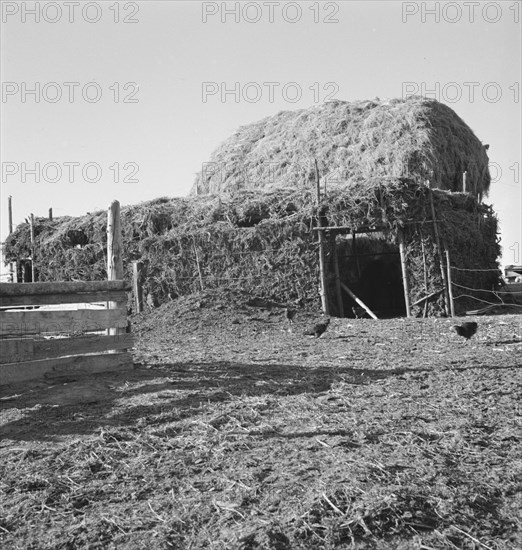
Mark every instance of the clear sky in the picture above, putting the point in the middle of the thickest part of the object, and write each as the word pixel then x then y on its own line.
pixel 117 103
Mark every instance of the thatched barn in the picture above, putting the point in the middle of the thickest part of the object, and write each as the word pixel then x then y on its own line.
pixel 391 173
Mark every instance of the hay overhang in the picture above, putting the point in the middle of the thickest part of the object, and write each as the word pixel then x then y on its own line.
pixel 358 141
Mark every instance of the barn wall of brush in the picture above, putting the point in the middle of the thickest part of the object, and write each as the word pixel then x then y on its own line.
pixel 264 243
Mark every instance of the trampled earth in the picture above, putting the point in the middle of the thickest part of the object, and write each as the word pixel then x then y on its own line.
pixel 236 431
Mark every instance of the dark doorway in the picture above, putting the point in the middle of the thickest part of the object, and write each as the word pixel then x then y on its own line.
pixel 381 289
pixel 371 268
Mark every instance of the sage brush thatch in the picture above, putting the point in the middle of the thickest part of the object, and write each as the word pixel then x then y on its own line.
pixel 264 243
pixel 416 138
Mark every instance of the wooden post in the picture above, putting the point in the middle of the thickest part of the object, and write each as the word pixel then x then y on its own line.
pixel 425 312
pixel 448 266
pixel 114 258
pixel 439 252
pixel 198 266
pixel 50 214
pixel 464 182
pixel 355 255
pixel 322 274
pixel 136 286
pixel 405 285
pixel 10 213
pixel 333 248
pixel 360 302
pixel 10 216
pixel 33 272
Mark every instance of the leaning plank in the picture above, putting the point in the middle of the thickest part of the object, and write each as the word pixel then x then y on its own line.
pixel 73 298
pixel 427 298
pixel 23 289
pixel 69 367
pixel 360 302
pixel 13 351
pixel 22 323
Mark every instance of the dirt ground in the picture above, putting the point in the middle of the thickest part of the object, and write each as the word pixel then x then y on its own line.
pixel 236 431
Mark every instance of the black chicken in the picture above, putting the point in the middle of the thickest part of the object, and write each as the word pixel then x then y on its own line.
pixel 318 329
pixel 290 314
pixel 360 312
pixel 466 329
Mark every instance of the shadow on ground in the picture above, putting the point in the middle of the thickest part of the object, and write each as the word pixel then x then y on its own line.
pixel 170 391
pixel 166 392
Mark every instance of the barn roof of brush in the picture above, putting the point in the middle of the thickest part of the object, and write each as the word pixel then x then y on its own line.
pixel 415 138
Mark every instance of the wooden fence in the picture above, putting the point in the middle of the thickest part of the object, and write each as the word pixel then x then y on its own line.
pixel 48 343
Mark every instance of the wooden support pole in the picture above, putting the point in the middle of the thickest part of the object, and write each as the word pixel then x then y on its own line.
pixel 425 312
pixel 136 286
pixel 439 253
pixel 323 286
pixel 33 252
pixel 12 267
pixel 50 214
pixel 333 248
pixel 360 302
pixel 198 266
pixel 10 213
pixel 402 252
pixel 465 182
pixel 450 290
pixel 114 256
pixel 355 255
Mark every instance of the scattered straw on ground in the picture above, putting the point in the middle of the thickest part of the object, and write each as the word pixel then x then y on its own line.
pixel 235 431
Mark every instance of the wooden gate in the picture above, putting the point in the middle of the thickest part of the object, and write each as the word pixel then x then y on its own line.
pixel 52 341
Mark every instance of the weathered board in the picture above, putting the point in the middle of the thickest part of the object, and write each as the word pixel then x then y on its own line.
pixel 23 323
pixel 24 289
pixel 64 367
pixel 72 298
pixel 20 349
pixel 28 349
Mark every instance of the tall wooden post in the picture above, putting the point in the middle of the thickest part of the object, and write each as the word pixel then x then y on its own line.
pixel 405 285
pixel 322 273
pixel 50 214
pixel 333 248
pixel 114 257
pixel 450 289
pixel 439 252
pixel 425 313
pixel 198 265
pixel 465 182
pixel 354 253
pixel 10 216
pixel 33 252
pixel 10 213
pixel 136 286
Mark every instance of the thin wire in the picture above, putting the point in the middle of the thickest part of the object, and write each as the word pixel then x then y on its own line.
pixel 484 290
pixel 485 301
pixel 464 269
pixel 216 278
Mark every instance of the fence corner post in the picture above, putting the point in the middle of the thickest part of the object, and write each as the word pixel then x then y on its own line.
pixel 114 257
